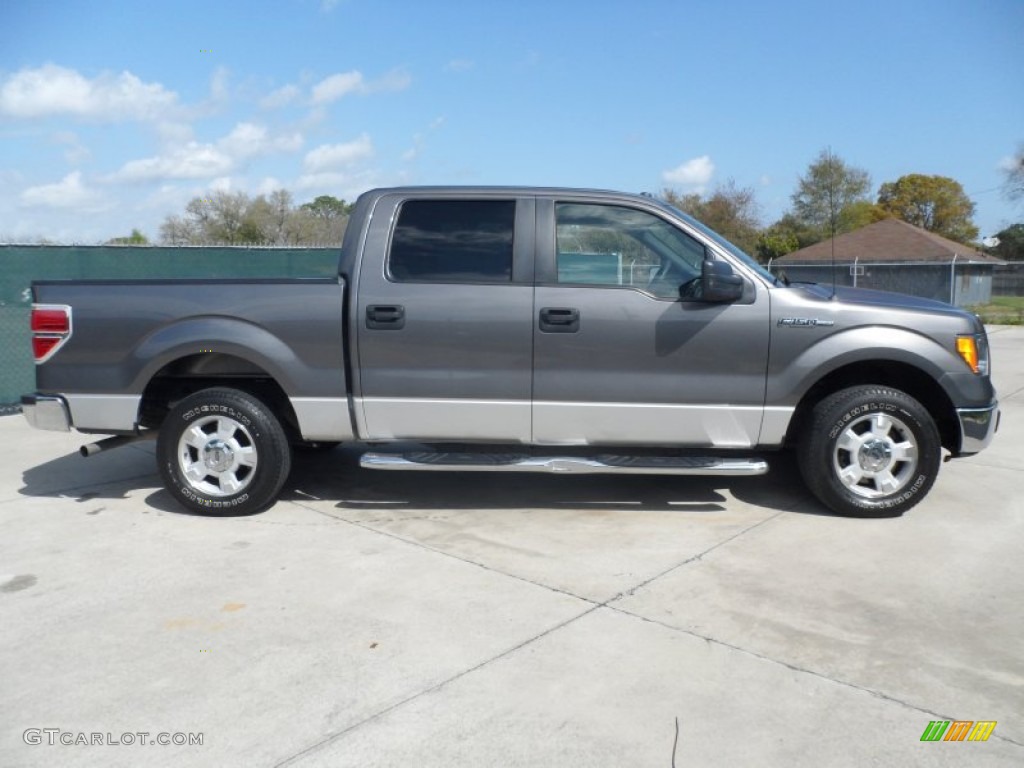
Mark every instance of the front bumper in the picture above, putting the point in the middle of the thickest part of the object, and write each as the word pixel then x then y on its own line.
pixel 46 412
pixel 977 427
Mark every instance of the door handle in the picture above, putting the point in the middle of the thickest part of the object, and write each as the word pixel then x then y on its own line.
pixel 559 320
pixel 385 317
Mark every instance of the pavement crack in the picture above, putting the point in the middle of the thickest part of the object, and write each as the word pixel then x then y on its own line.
pixel 595 605
pixel 796 668
pixel 419 544
pixel 330 738
pixel 694 558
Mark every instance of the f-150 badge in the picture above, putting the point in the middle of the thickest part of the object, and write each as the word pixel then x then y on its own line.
pixel 804 322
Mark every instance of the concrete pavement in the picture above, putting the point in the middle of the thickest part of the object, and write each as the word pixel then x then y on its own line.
pixel 386 619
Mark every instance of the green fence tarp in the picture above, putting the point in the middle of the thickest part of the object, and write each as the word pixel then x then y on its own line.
pixel 21 264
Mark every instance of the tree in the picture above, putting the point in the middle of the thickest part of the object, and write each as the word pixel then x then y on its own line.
pixel 776 241
pixel 135 238
pixel 281 205
pixel 178 231
pixel 1013 186
pixel 730 210
pixel 859 214
pixel 827 196
pixel 1011 243
pixel 327 208
pixel 936 203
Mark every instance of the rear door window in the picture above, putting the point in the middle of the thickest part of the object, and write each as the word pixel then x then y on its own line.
pixel 453 241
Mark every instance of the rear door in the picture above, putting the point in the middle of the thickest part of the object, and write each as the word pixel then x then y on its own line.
pixel 619 358
pixel 445 336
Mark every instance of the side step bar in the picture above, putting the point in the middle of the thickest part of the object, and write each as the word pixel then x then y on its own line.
pixel 507 462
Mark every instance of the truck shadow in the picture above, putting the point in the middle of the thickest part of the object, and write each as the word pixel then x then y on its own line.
pixel 108 475
pixel 336 477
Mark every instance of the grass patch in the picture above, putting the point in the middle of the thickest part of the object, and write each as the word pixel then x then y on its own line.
pixel 1001 310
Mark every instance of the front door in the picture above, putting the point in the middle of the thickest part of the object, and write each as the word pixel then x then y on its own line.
pixel 445 338
pixel 619 357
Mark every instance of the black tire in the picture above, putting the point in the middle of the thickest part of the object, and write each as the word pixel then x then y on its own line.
pixel 233 438
pixel 869 451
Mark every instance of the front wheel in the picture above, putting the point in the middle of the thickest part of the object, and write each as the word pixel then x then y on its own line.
pixel 869 451
pixel 221 451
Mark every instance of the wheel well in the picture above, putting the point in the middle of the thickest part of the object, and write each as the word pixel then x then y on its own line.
pixel 902 376
pixel 187 375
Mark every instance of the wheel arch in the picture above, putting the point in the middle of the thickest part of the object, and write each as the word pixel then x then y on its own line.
pixel 897 374
pixel 183 376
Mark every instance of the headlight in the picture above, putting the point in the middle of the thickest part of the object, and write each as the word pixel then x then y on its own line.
pixel 973 349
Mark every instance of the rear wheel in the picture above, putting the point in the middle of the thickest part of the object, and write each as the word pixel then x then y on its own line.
pixel 221 451
pixel 870 451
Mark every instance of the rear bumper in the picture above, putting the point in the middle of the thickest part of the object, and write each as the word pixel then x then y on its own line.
pixel 46 412
pixel 977 427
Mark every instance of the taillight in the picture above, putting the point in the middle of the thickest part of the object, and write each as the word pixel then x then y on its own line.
pixel 51 327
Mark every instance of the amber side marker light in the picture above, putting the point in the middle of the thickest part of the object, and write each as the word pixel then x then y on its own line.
pixel 51 327
pixel 967 348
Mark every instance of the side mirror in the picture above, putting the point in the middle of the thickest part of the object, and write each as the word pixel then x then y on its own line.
pixel 719 283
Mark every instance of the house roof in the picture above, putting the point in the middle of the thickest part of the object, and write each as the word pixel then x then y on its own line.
pixel 889 240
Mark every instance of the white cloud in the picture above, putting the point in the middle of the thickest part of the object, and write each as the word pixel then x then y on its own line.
pixel 168 197
pixel 191 161
pixel 414 151
pixel 174 132
pixel 419 140
pixel 1008 163
pixel 76 151
pixel 322 180
pixel 249 139
pixel 268 185
pixel 694 173
pixel 195 160
pixel 395 80
pixel 69 192
pixel 329 157
pixel 282 97
pixel 221 184
pixel 459 65
pixel 55 90
pixel 334 87
pixel 219 84
pixel 347 186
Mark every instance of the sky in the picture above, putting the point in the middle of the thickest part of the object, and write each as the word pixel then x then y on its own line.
pixel 113 115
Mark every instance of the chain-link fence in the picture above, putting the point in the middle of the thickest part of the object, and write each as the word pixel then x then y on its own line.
pixel 962 284
pixel 21 264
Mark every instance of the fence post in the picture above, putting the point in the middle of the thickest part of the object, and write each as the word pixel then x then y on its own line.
pixel 952 281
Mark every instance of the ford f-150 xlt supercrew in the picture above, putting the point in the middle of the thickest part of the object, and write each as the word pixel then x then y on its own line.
pixel 518 329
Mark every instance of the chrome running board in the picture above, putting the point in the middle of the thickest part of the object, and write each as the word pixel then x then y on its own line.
pixel 510 462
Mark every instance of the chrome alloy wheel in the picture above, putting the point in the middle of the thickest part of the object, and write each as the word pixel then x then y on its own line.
pixel 876 455
pixel 217 456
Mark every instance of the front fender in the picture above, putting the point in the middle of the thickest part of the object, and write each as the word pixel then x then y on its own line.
pixel 790 379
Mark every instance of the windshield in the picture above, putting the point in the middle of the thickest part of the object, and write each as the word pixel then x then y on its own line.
pixel 734 250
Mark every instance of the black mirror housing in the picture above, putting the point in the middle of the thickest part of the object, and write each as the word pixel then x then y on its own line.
pixel 719 282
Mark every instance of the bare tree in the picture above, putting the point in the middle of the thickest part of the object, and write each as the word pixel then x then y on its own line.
pixel 1013 186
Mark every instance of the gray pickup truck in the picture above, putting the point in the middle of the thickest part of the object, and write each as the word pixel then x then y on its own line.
pixel 518 330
